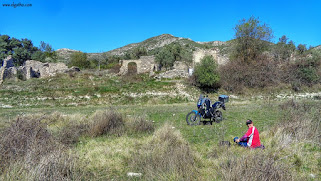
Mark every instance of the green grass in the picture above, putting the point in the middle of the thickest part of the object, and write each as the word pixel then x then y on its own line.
pixel 85 89
pixel 110 157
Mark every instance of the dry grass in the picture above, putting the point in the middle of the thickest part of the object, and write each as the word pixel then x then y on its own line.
pixel 71 132
pixel 302 121
pixel 167 156
pixel 140 125
pixel 255 165
pixel 28 151
pixel 25 138
pixel 106 122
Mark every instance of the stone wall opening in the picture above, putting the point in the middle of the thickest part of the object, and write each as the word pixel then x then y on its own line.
pixel 132 68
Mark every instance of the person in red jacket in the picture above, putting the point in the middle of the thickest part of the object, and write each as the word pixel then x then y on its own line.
pixel 251 138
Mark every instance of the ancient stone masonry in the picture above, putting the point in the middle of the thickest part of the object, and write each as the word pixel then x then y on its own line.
pixel 146 64
pixel 32 69
pixel 37 69
pixel 7 64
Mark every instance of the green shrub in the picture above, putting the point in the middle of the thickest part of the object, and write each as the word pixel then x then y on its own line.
pixel 79 59
pixel 206 73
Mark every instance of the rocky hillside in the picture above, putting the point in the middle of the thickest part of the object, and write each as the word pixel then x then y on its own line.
pixel 155 44
pixel 64 54
pixel 152 45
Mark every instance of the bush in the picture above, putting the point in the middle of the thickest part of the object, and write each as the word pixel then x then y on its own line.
pixel 236 75
pixel 29 152
pixel 113 68
pixel 206 74
pixel 106 122
pixel 24 138
pixel 140 125
pixel 70 133
pixel 308 70
pixel 167 156
pixel 79 59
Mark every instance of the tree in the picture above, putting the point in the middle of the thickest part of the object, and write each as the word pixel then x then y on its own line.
pixel 171 53
pixel 308 69
pixel 252 38
pixel 21 50
pixel 138 52
pixel 79 59
pixel 206 73
pixel 291 45
pixel 45 53
pixel 283 50
pixel 283 40
pixel 302 48
pixel 165 57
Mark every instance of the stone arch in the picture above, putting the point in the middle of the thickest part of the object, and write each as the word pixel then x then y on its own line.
pixel 144 65
pixel 124 66
pixel 132 68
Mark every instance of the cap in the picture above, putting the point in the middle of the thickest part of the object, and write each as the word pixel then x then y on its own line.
pixel 249 122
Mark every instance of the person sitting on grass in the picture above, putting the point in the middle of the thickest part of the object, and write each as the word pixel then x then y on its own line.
pixel 251 138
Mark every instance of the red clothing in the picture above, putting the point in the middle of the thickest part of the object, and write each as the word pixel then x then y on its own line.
pixel 253 137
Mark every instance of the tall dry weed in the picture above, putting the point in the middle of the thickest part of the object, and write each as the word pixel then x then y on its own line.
pixel 140 125
pixel 166 156
pixel 106 122
pixel 254 165
pixel 302 121
pixel 28 151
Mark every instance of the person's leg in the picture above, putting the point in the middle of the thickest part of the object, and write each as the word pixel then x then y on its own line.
pixel 243 143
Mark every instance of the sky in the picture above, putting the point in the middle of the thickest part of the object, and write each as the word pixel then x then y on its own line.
pixel 102 25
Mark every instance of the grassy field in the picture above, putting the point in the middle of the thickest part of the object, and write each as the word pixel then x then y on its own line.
pixel 151 136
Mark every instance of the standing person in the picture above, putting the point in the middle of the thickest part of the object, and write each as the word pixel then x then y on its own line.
pixel 251 138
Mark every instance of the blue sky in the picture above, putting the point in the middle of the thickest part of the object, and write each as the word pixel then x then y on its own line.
pixel 98 26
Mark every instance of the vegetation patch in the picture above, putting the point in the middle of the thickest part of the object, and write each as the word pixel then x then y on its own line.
pixel 166 156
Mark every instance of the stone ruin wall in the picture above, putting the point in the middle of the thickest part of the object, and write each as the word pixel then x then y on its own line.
pixel 146 64
pixel 6 64
pixel 32 69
